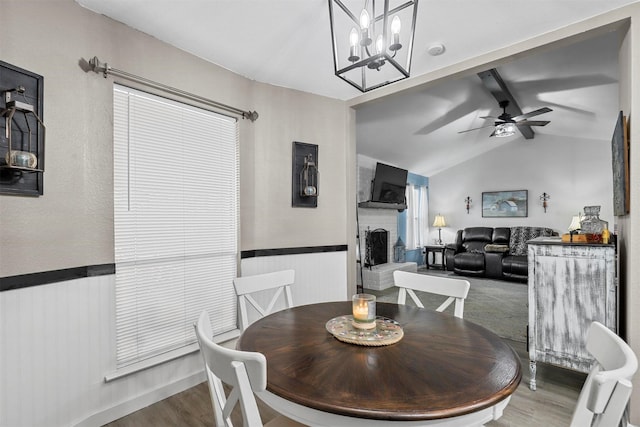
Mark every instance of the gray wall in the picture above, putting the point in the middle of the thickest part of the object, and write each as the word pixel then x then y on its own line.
pixel 576 172
pixel 72 224
pixel 58 340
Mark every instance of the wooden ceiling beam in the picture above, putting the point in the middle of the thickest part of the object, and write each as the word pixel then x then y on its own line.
pixel 494 83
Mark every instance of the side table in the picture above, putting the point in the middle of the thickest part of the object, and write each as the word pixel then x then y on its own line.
pixel 434 249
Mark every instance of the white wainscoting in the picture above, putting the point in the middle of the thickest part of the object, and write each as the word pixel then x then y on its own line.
pixel 320 277
pixel 57 342
pixel 56 345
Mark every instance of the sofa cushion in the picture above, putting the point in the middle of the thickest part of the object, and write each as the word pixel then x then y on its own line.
pixel 469 262
pixel 474 239
pixel 515 266
pixel 501 235
pixel 520 235
pixel 477 234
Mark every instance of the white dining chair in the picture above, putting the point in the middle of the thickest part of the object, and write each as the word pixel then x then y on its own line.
pixel 243 371
pixel 454 289
pixel 248 286
pixel 607 389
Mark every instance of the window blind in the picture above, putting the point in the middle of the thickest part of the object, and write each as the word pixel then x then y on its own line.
pixel 176 222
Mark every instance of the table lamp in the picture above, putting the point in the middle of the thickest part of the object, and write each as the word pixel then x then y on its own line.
pixel 439 222
pixel 574 226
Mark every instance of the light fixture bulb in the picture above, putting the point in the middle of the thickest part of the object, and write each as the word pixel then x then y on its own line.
pixel 353 37
pixel 396 25
pixel 364 19
pixel 379 44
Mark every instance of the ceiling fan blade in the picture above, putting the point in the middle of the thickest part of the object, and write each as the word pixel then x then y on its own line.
pixel 533 123
pixel 481 127
pixel 532 113
pixel 488 117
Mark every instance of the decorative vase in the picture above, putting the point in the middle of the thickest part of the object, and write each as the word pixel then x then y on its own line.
pixel 592 225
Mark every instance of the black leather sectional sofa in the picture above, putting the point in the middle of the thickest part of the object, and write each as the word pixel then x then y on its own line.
pixel 497 253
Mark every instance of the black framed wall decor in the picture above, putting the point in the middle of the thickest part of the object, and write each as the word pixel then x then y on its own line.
pixel 27 136
pixel 302 151
pixel 500 204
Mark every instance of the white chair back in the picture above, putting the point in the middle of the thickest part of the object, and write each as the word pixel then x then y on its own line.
pixel 455 289
pixel 606 391
pixel 245 372
pixel 280 281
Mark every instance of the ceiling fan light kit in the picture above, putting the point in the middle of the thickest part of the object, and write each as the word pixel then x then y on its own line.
pixel 506 125
pixel 504 129
pixel 373 42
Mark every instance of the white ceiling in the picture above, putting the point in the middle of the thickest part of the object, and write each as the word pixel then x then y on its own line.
pixel 288 43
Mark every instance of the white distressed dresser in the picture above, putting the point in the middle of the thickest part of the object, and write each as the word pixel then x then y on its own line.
pixel 570 286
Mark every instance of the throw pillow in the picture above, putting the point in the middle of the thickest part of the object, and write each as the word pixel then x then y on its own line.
pixel 520 235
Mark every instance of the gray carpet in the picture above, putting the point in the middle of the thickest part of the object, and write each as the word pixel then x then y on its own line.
pixel 500 306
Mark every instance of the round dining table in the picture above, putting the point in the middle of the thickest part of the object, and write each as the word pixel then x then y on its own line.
pixel 443 371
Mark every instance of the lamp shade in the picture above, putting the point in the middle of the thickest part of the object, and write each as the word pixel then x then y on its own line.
pixel 439 221
pixel 575 223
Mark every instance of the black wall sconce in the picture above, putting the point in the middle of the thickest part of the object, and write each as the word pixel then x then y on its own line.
pixel 304 177
pixel 468 203
pixel 544 197
pixel 22 132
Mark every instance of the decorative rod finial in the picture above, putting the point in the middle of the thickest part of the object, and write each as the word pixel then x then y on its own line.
pixel 251 115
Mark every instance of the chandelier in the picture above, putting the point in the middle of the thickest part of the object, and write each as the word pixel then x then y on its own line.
pixel 373 41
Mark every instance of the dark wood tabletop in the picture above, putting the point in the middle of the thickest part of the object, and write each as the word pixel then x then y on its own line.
pixel 443 366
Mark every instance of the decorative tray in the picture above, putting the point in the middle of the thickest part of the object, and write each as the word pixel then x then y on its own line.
pixel 387 331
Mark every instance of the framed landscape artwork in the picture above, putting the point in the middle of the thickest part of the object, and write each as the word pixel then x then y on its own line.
pixel 501 204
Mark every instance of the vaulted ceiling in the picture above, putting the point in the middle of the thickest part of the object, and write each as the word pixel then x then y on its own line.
pixel 288 43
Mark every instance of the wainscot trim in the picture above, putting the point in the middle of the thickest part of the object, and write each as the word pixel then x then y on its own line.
pixel 292 251
pixel 45 277
pixel 36 279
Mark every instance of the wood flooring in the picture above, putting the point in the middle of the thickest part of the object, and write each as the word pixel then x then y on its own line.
pixel 550 406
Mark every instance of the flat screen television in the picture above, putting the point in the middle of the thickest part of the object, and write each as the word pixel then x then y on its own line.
pixel 389 183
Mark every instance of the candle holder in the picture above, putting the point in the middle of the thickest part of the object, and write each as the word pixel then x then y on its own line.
pixel 364 311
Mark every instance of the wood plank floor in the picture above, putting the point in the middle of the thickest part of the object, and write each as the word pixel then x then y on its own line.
pixel 550 406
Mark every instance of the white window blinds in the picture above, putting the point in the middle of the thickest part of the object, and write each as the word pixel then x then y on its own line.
pixel 176 222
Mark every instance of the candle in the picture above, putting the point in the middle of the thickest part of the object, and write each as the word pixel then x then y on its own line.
pixel 364 310
pixel 361 312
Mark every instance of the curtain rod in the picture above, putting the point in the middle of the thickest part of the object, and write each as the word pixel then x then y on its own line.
pixel 105 69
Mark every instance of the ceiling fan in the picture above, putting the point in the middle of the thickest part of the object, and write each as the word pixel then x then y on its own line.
pixel 506 125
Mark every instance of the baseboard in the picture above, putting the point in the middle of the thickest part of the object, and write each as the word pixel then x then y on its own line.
pixel 126 408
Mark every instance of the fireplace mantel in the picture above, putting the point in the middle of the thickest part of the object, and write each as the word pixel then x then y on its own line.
pixel 381 205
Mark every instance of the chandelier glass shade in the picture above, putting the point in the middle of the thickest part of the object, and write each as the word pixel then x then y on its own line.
pixel 372 40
